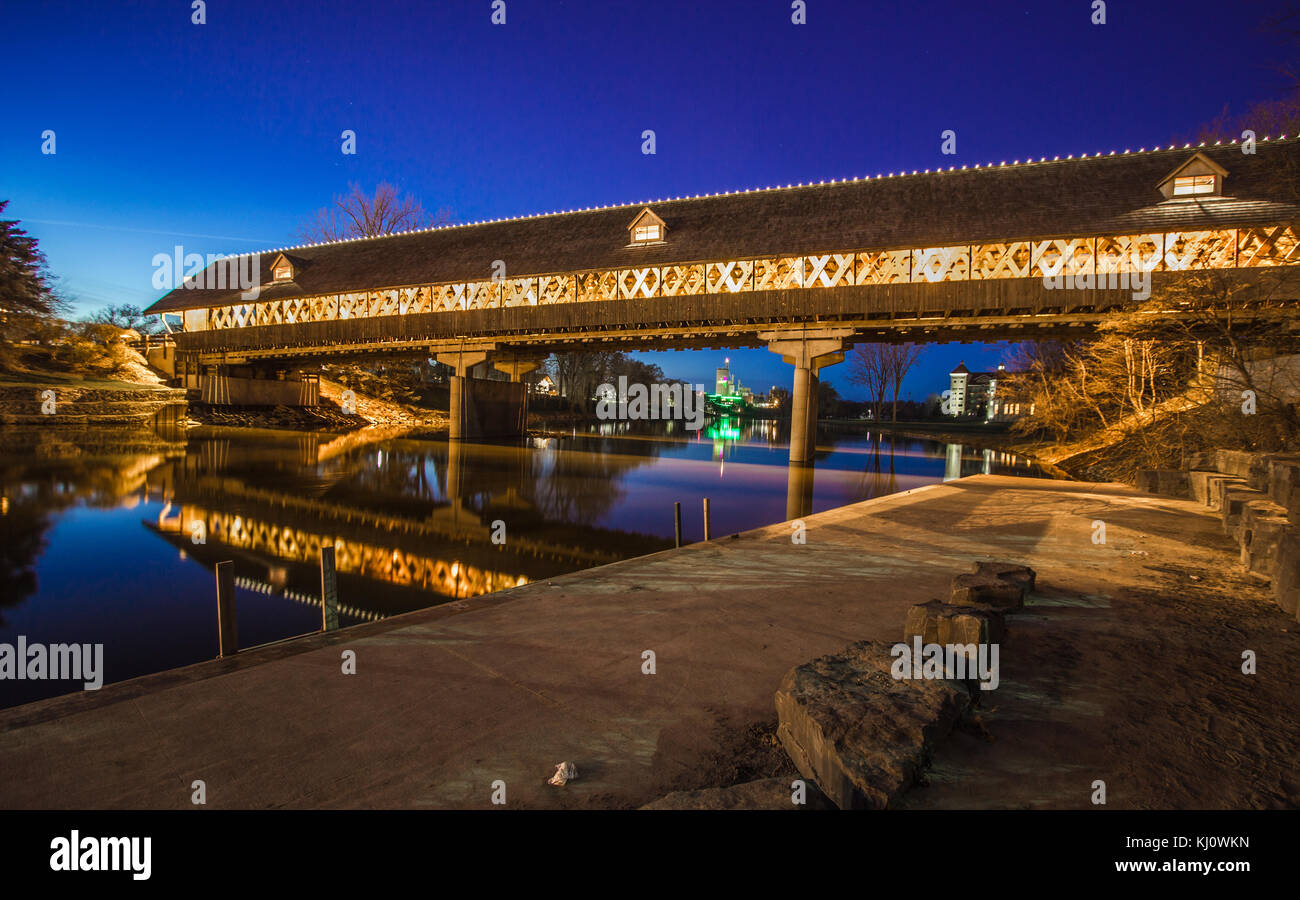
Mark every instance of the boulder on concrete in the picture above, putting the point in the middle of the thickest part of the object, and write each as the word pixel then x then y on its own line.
pixel 937 622
pixel 768 793
pixel 997 584
pixel 864 736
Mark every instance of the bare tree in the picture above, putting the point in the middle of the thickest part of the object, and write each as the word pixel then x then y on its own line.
pixel 869 367
pixel 360 215
pixel 898 360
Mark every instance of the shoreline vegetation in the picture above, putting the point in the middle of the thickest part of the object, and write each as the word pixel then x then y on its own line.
pixel 134 393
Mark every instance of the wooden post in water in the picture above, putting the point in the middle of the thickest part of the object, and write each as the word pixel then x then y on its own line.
pixel 227 627
pixel 706 518
pixel 677 522
pixel 329 590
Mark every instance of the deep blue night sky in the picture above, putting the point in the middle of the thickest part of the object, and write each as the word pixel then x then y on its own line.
pixel 224 136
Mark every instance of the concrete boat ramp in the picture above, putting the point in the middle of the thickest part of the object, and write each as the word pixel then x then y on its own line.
pixel 1125 648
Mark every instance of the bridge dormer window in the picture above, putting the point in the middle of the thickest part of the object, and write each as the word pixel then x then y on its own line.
pixel 282 269
pixel 647 228
pixel 1199 176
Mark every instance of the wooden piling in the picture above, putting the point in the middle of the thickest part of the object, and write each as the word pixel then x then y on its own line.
pixel 706 518
pixel 227 625
pixel 329 590
pixel 677 522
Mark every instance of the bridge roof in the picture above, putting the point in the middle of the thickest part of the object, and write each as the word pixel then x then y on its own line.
pixel 1092 195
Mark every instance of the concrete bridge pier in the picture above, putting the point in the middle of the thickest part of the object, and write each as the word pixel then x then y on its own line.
pixel 461 361
pixel 809 352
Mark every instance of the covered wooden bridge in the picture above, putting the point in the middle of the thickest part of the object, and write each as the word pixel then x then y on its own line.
pixel 1018 250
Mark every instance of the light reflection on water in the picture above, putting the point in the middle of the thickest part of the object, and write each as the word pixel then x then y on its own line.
pixel 113 539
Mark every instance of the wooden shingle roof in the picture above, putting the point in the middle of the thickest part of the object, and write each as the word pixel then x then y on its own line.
pixel 1113 194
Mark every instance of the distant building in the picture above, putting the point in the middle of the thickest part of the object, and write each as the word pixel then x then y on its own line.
pixel 546 386
pixel 975 395
pixel 726 384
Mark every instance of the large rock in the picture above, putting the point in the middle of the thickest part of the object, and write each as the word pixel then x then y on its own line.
pixel 862 735
pixel 769 793
pixel 937 622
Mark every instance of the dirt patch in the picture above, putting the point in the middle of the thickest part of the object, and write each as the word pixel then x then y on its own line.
pixel 1144 691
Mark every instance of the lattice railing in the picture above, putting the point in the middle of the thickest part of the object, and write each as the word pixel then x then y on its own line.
pixel 1256 246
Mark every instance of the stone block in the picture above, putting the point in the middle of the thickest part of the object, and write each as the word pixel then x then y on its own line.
pixel 1198 481
pixel 1169 482
pixel 1173 483
pixel 1220 485
pixel 1286 573
pixel 937 622
pixel 1234 507
pixel 1284 485
pixel 1238 463
pixel 864 736
pixel 1262 525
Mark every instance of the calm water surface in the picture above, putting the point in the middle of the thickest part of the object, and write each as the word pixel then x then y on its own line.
pixel 112 539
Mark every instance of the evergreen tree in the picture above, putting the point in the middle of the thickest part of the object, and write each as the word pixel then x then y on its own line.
pixel 25 294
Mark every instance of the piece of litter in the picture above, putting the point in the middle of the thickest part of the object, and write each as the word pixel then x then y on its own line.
pixel 564 773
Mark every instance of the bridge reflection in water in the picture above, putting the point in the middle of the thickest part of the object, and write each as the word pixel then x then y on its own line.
pixel 442 521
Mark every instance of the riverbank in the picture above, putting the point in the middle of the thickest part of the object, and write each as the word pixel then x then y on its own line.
pixel 1123 667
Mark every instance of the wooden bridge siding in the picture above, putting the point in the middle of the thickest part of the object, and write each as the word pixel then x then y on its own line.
pixel 911 300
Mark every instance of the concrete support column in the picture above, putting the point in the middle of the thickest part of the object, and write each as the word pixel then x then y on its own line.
pixel 809 352
pixel 461 361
